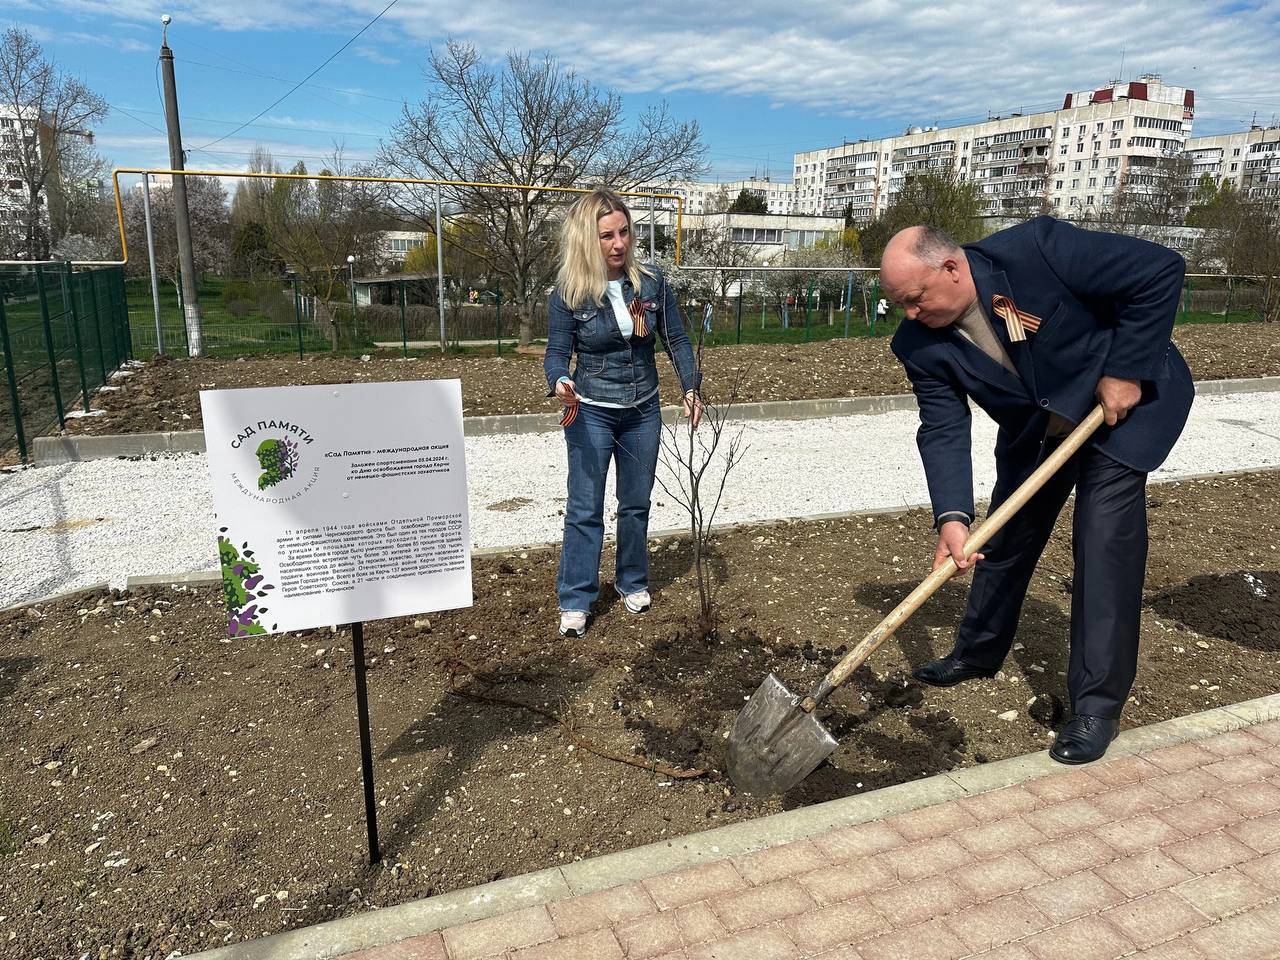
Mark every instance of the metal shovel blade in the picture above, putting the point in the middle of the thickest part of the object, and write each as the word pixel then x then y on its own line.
pixel 774 744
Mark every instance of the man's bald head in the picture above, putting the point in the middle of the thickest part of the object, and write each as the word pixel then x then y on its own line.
pixel 927 272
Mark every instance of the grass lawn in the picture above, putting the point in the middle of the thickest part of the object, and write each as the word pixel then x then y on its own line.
pixel 227 334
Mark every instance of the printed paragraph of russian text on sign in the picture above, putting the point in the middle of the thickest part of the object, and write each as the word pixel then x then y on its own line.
pixel 331 559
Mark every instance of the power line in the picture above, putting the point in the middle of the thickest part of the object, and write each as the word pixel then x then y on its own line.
pixel 266 126
pixel 253 72
pixel 311 89
pixel 295 156
pixel 295 87
pixel 137 119
pixel 165 134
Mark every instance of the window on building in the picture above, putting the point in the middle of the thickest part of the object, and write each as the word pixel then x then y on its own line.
pixel 1080 147
pixel 1235 152
pixel 1057 185
pixel 1080 131
pixel 1234 166
pixel 1117 124
pixel 1060 168
pixel 1088 201
pixel 1115 143
pixel 1066 131
pixel 1077 165
pixel 1093 181
pixel 1075 184
pixel 1062 150
pixel 755 235
pixel 1113 162
pixel 1098 128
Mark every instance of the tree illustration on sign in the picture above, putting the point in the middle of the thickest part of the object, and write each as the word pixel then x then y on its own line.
pixel 279 460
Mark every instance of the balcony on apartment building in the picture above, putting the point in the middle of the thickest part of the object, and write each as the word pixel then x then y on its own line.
pixel 847 182
pixel 943 148
pixel 1010 141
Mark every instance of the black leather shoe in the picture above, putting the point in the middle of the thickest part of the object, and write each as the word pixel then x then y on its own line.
pixel 949 671
pixel 1084 739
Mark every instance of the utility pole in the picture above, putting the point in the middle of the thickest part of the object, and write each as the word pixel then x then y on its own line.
pixel 151 257
pixel 440 267
pixel 190 296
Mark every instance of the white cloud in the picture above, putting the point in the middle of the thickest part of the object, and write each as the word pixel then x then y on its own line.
pixel 876 62
pixel 227 15
pixel 124 44
pixel 152 150
pixel 374 55
pixel 880 61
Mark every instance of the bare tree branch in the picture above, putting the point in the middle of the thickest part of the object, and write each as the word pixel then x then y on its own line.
pixel 47 109
pixel 529 122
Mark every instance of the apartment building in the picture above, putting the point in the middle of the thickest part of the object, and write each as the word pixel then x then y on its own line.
pixel 18 132
pixel 159 181
pixel 779 196
pixel 766 235
pixel 1067 161
pixel 1249 160
pixel 394 246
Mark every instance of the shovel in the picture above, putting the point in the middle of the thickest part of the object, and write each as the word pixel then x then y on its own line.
pixel 776 740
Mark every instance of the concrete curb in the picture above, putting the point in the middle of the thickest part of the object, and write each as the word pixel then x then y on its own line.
pixel 1206 388
pixel 392 924
pixel 48 451
pixel 65 595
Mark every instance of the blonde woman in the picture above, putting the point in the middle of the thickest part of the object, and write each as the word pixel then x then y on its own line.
pixel 608 310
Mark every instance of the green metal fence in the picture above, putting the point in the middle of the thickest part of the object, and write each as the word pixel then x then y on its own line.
pixel 63 332
pixel 242 316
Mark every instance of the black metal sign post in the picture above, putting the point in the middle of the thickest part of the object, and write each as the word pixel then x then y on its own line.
pixel 366 749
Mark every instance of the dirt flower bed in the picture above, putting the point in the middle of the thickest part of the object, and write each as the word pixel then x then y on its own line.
pixel 164 788
pixel 164 394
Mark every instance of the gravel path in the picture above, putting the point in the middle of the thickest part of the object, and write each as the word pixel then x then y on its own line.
pixel 68 526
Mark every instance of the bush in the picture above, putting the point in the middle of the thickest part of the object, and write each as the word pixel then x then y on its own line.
pixel 234 290
pixel 277 307
pixel 241 308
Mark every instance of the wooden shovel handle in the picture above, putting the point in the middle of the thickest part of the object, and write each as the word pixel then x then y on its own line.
pixel 977 538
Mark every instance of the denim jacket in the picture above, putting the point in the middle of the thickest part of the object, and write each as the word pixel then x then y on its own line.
pixel 612 368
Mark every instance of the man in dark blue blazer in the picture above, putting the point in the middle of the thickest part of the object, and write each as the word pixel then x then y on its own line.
pixel 1037 324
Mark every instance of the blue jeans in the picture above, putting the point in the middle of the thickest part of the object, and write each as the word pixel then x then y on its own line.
pixel 630 436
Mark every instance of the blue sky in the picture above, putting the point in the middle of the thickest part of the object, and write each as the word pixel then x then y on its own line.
pixel 765 79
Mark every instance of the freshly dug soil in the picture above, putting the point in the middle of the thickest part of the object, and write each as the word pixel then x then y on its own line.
pixel 164 395
pixel 164 788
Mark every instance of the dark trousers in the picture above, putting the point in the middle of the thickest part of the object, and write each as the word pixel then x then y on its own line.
pixel 1109 544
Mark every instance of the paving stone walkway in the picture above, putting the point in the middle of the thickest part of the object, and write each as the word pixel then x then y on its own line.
pixel 1170 853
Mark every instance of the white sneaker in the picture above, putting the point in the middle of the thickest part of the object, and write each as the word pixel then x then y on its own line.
pixel 637 602
pixel 573 623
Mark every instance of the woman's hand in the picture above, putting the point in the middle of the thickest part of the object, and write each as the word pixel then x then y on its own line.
pixel 565 392
pixel 693 408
